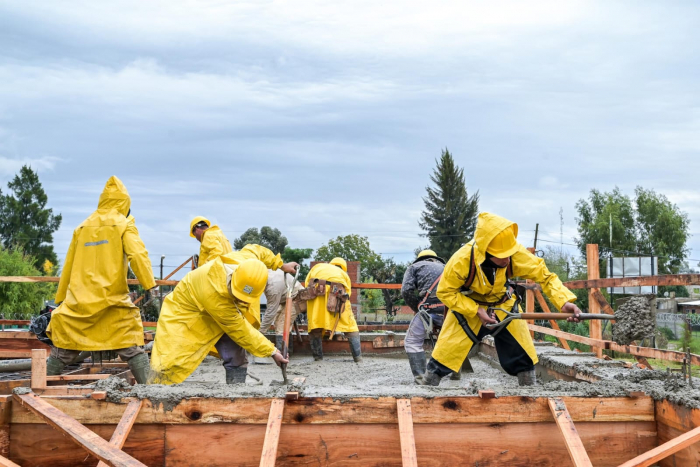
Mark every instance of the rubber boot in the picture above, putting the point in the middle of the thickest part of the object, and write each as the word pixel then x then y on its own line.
pixel 434 372
pixel 140 367
pixel 236 375
pixel 527 378
pixel 417 362
pixel 316 341
pixel 466 368
pixel 54 366
pixel 355 345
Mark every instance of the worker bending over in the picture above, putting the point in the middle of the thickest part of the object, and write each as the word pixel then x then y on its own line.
pixel 95 311
pixel 419 291
pixel 474 280
pixel 329 309
pixel 276 295
pixel 213 241
pixel 216 304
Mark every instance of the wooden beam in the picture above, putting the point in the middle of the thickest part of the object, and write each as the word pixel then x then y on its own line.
pixel 82 436
pixel 553 323
pixel 408 440
pixel 177 269
pixel 593 265
pixel 15 353
pixel 38 380
pixel 641 281
pixel 665 450
pixel 602 302
pixel 121 432
pixel 272 434
pixel 77 377
pixel 487 394
pixel 570 337
pixel 578 453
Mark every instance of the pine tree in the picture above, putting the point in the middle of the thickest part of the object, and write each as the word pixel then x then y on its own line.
pixel 25 221
pixel 450 215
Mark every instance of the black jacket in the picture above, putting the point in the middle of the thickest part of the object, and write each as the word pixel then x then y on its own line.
pixel 418 279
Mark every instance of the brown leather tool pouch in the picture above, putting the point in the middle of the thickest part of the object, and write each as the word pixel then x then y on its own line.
pixel 336 298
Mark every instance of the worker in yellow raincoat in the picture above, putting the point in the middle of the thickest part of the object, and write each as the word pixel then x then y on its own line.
pixel 95 311
pixel 320 319
pixel 474 279
pixel 213 241
pixel 216 304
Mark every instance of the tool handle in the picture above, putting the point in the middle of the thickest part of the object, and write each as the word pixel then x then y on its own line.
pixel 564 316
pixel 287 326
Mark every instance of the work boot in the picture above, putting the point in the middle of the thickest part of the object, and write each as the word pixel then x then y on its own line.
pixel 236 375
pixel 54 366
pixel 417 362
pixel 527 378
pixel 316 341
pixel 140 367
pixel 434 372
pixel 466 368
pixel 355 345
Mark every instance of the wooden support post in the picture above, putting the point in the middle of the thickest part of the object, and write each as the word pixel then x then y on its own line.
pixel 38 380
pixel 272 434
pixel 553 323
pixel 84 437
pixel 592 262
pixel 578 453
pixel 121 432
pixel 530 299
pixel 408 441
pixel 665 450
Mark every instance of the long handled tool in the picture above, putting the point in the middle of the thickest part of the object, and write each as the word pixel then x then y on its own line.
pixel 287 322
pixel 514 315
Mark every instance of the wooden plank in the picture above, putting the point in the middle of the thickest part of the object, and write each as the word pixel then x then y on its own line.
pixel 291 396
pixel 448 444
pixel 16 353
pixel 63 391
pixel 487 394
pixel 5 462
pixel 408 442
pixel 38 380
pixel 124 428
pixel 77 432
pixel 86 377
pixel 98 395
pixel 670 447
pixel 318 410
pixel 43 446
pixel 574 445
pixel 663 280
pixel 602 302
pixel 593 265
pixel 571 337
pixel 553 323
pixel 272 434
pixel 18 335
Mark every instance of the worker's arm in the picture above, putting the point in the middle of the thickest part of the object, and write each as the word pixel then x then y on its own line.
pixel 453 278
pixel 137 255
pixel 409 287
pixel 528 266
pixel 211 248
pixel 238 328
pixel 66 271
pixel 271 260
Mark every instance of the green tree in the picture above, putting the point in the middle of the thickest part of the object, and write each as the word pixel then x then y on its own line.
pixel 648 225
pixel 387 271
pixel 450 215
pixel 25 221
pixel 20 300
pixel 351 248
pixel 267 236
pixel 298 255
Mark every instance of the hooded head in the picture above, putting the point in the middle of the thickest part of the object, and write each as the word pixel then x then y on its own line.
pixel 496 235
pixel 114 196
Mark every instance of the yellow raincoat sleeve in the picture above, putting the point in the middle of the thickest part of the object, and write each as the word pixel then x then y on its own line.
pixel 453 278
pixel 211 249
pixel 271 260
pixel 137 255
pixel 528 266
pixel 239 329
pixel 66 271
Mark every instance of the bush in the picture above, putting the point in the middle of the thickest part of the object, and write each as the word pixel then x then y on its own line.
pixel 667 332
pixel 21 300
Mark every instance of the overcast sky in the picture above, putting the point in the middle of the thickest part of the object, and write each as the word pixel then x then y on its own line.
pixel 325 118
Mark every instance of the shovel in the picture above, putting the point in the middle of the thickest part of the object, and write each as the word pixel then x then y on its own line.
pixel 510 316
pixel 287 323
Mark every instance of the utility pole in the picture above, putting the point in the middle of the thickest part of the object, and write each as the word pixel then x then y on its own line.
pixel 537 230
pixel 561 230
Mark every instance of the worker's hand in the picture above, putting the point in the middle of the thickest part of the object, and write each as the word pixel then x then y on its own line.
pixel 571 308
pixel 484 316
pixel 278 358
pixel 290 268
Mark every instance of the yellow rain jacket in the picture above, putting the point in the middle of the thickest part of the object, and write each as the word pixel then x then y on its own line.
pixel 318 315
pixel 97 313
pixel 453 344
pixel 200 310
pixel 214 244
